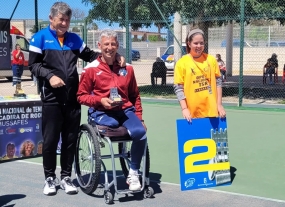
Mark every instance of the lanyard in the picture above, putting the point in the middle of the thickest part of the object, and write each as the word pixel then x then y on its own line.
pixel 204 74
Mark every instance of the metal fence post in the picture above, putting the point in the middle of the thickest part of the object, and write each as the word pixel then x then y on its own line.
pixel 240 96
pixel 127 31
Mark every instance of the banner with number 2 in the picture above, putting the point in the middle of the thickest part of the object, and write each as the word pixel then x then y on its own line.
pixel 203 153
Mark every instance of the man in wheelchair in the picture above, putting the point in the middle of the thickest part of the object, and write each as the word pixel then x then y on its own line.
pixel 112 94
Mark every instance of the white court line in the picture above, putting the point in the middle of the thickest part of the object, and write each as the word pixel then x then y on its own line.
pixel 230 193
pixel 206 189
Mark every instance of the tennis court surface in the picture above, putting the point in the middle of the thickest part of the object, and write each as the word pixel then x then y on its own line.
pixel 256 155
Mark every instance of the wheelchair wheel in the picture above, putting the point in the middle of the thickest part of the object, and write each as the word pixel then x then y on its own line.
pixel 125 148
pixel 87 159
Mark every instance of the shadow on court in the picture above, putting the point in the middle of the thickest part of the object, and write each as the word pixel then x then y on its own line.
pixel 256 149
pixel 5 199
pixel 233 173
pixel 121 185
pixel 24 188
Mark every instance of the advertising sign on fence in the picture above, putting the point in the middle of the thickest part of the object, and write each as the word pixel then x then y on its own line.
pixel 203 153
pixel 20 129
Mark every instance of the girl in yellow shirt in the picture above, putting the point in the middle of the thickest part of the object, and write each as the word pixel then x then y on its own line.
pixel 197 81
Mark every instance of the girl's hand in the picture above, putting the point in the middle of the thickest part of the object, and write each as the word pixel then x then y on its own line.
pixel 221 111
pixel 186 114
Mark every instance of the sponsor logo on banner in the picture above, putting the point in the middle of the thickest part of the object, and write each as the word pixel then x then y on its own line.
pixel 189 183
pixel 10 130
pixel 26 129
pixel 37 128
pixel 1 132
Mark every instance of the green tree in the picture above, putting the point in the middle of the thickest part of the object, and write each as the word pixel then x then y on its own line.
pixel 202 13
pixel 78 14
pixel 142 13
pixel 206 13
pixel 75 29
pixel 167 9
pixel 33 30
pixel 93 26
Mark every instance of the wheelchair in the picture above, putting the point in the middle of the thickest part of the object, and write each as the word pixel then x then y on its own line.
pixel 88 160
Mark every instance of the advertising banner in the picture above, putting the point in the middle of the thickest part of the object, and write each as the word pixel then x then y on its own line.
pixel 5 53
pixel 203 153
pixel 20 129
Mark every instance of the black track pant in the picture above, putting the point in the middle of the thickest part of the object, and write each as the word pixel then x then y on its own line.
pixel 58 119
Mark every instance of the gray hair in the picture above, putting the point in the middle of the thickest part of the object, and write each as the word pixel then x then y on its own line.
pixel 60 7
pixel 108 33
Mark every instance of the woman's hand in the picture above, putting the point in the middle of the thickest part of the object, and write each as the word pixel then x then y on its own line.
pixel 221 111
pixel 186 114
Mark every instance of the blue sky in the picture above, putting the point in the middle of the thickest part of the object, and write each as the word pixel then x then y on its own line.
pixel 26 10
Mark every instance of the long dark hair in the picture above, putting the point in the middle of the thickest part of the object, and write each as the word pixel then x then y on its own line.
pixel 219 58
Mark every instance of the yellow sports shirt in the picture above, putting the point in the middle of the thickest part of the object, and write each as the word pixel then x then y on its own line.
pixel 196 75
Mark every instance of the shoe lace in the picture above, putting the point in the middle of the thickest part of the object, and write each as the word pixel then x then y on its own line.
pixel 134 177
pixel 52 182
pixel 68 181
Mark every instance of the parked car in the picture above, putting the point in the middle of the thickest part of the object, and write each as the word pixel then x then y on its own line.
pixel 168 56
pixel 136 54
pixel 236 43
pixel 276 44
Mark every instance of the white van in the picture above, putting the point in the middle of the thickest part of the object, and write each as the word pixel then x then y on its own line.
pixel 168 56
pixel 17 37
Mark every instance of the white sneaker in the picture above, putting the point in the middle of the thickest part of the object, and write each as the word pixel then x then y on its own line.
pixel 67 185
pixel 50 186
pixel 134 182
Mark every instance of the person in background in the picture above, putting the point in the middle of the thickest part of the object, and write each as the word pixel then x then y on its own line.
pixel 158 70
pixel 268 70
pixel 197 81
pixel 274 68
pixel 222 67
pixel 17 66
pixel 53 56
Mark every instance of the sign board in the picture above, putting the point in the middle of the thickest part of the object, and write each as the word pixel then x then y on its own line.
pixel 5 41
pixel 20 129
pixel 203 153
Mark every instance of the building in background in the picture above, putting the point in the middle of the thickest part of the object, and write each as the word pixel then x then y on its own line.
pixel 25 26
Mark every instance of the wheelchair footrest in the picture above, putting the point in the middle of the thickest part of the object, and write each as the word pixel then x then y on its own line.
pixel 127 191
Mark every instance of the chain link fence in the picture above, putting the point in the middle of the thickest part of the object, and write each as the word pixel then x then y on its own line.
pixel 157 28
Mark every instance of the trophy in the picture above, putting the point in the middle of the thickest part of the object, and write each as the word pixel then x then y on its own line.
pixel 19 93
pixel 114 96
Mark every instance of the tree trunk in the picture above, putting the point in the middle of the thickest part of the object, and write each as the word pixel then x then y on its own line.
pixel 204 26
pixel 159 31
pixel 135 38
